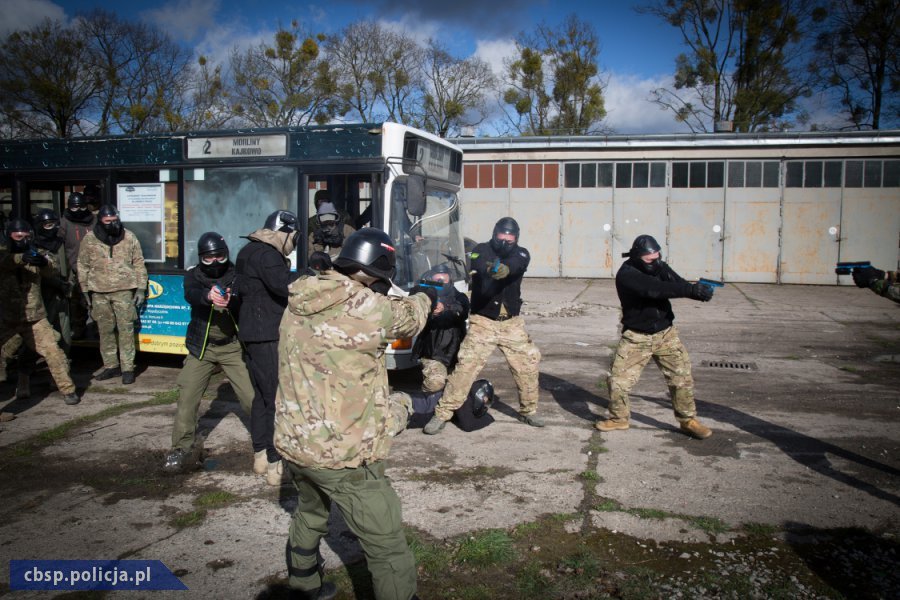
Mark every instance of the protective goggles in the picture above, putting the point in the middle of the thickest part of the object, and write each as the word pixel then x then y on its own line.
pixel 78 208
pixel 214 257
pixel 49 224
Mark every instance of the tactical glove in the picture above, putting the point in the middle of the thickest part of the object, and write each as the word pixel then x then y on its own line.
pixel 701 292
pixel 864 277
pixel 501 272
pixel 428 291
pixel 34 258
pixel 139 296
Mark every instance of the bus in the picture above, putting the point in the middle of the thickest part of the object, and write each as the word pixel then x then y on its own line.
pixel 171 188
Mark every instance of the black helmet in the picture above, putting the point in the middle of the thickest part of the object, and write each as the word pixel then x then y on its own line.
pixel 368 250
pixel 211 242
pixel 46 215
pixel 18 224
pixel 505 225
pixel 76 200
pixel 482 395
pixel 14 226
pixel 108 210
pixel 642 246
pixel 281 220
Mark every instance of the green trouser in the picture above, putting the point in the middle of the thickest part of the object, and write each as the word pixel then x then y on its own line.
pixel 371 509
pixel 192 383
pixel 115 315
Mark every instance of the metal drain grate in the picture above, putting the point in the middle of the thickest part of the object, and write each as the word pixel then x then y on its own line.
pixel 727 364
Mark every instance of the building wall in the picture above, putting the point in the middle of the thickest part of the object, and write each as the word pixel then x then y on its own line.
pixel 757 219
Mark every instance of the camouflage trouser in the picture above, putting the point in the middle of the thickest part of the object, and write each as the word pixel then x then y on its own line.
pixel 371 509
pixel 42 338
pixel 434 375
pixel 483 336
pixel 192 383
pixel 633 353
pixel 115 316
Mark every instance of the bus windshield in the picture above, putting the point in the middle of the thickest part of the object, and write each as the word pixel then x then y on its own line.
pixel 425 242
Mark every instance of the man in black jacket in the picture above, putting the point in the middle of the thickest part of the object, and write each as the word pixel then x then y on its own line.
pixel 263 276
pixel 437 345
pixel 211 341
pixel 645 284
pixel 498 267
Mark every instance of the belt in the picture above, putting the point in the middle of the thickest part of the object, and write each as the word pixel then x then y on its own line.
pixel 224 342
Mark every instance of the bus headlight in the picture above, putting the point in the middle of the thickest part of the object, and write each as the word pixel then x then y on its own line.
pixel 402 344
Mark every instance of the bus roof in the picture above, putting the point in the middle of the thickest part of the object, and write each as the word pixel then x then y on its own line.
pixel 310 143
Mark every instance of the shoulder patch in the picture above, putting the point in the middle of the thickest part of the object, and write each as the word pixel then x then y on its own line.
pixel 474 255
pixel 523 253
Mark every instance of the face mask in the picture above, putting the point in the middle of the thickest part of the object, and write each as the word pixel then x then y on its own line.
pixel 112 229
pixel 502 247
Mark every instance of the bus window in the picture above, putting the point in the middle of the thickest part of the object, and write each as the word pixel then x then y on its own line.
pixel 424 242
pixel 234 202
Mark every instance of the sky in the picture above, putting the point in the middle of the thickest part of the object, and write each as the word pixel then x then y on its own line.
pixel 637 52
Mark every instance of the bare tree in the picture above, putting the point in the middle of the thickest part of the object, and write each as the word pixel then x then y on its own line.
pixel 143 74
pixel 456 90
pixel 286 83
pixel 48 80
pixel 398 77
pixel 355 54
pixel 206 103
pixel 744 62
pixel 858 55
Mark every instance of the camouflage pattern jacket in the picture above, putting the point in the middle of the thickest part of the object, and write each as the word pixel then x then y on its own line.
pixel 331 409
pixel 104 268
pixel 20 288
pixel 889 287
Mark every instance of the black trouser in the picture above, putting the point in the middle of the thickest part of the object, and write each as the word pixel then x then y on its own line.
pixel 262 363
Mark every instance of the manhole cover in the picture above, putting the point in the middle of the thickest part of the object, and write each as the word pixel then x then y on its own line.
pixel 730 364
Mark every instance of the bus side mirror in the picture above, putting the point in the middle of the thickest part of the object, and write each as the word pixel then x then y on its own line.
pixel 415 195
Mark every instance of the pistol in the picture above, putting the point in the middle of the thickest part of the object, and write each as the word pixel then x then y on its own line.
pixel 845 268
pixel 711 283
pixel 496 266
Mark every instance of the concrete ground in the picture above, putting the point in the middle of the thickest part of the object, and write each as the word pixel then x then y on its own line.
pixel 799 383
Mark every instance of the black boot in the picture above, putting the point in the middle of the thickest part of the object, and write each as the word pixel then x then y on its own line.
pixel 108 374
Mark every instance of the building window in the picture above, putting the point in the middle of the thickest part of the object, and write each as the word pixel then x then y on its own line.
pixel 623 175
pixel 698 174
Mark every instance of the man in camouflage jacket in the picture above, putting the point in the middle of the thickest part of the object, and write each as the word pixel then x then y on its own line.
pixel 113 280
pixel 22 307
pixel 335 417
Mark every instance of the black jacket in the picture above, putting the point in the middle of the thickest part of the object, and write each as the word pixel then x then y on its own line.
pixel 196 293
pixel 443 334
pixel 262 278
pixel 488 293
pixel 645 298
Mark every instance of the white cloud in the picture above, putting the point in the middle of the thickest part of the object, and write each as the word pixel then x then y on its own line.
pixel 184 20
pixel 495 52
pixel 630 110
pixel 16 15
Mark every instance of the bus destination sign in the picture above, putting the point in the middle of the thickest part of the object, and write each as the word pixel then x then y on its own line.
pixel 244 146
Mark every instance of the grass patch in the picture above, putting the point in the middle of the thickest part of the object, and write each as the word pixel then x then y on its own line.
pixel 523 529
pixel 650 513
pixel 608 506
pixel 188 519
pixel 708 524
pixel 759 529
pixel 849 369
pixel 431 558
pixel 489 547
pixel 597 449
pixel 589 475
pixel 215 499
pixel 51 436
